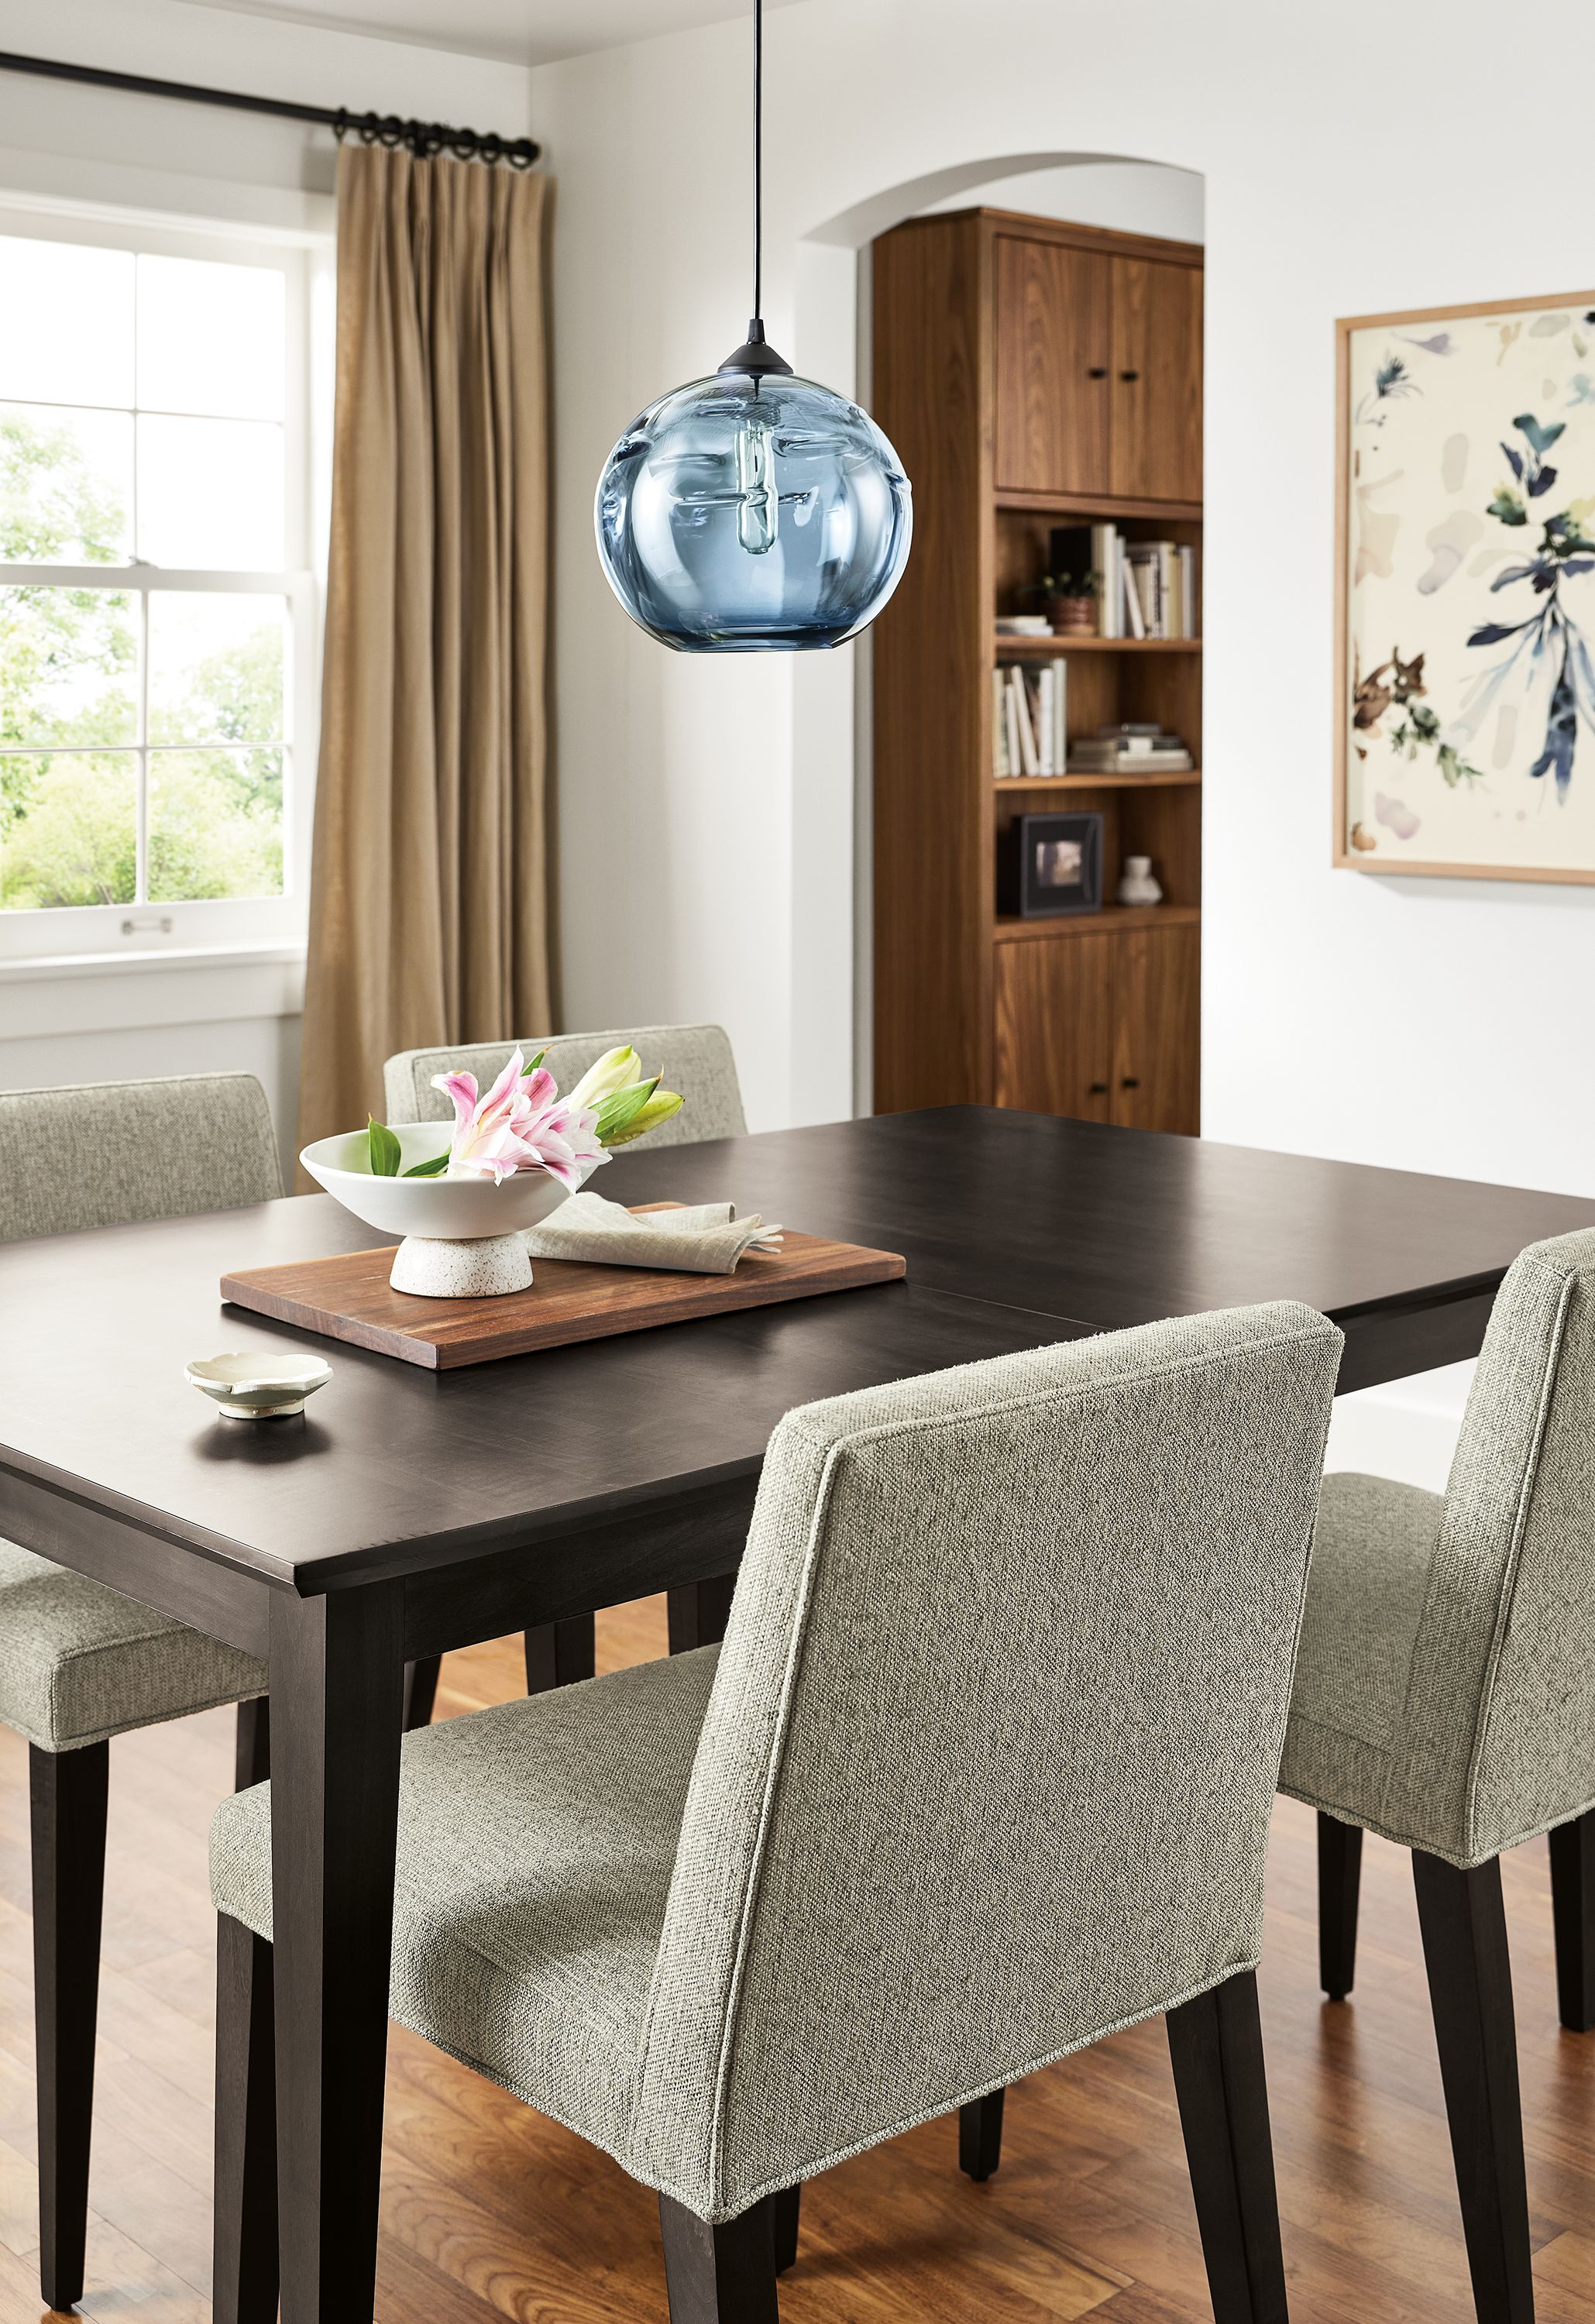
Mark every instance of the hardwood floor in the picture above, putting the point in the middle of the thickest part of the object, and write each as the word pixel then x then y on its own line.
pixel 490 2211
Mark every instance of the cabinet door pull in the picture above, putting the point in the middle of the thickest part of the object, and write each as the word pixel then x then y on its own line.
pixel 1130 374
pixel 1098 1089
pixel 1097 371
pixel 1130 1081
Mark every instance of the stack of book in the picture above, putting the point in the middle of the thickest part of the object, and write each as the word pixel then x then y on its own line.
pixel 1027 719
pixel 1144 588
pixel 1023 625
pixel 1134 749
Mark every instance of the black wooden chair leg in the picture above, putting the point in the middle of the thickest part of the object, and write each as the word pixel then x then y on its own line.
pixel 720 2276
pixel 1573 1905
pixel 558 1653
pixel 67 1793
pixel 420 1690
pixel 785 2210
pixel 1464 1928
pixel 1216 2044
pixel 1340 1878
pixel 245 2217
pixel 252 1751
pixel 698 1612
pixel 980 2135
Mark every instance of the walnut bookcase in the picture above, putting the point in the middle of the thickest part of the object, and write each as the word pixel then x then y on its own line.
pixel 1032 373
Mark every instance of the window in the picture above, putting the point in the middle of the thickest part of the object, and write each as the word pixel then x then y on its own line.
pixel 157 634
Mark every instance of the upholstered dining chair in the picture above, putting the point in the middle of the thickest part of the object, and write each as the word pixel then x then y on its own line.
pixel 1446 1698
pixel 79 1663
pixel 982 1771
pixel 696 1060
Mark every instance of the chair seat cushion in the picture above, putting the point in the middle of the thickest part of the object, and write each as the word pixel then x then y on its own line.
pixel 79 1662
pixel 536 1844
pixel 1371 1557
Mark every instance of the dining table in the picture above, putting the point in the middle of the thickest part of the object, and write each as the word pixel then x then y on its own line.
pixel 409 1511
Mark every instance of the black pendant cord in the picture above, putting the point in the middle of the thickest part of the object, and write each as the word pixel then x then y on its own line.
pixel 423 138
pixel 755 356
pixel 757 327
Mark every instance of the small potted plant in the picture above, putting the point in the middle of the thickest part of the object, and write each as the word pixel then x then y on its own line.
pixel 1071 605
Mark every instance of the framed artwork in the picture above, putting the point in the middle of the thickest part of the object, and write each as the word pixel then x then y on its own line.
pixel 1465 591
pixel 1052 864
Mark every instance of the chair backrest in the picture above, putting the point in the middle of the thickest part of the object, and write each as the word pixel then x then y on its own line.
pixel 103 1154
pixel 695 1059
pixel 988 1764
pixel 1499 1726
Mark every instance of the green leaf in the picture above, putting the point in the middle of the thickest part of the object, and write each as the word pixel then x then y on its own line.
pixel 526 1071
pixel 660 1108
pixel 620 1108
pixel 433 1169
pixel 385 1151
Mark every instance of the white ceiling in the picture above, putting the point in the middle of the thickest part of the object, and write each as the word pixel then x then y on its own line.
pixel 515 32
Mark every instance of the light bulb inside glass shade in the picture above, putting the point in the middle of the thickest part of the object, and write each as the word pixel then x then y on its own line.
pixel 752 513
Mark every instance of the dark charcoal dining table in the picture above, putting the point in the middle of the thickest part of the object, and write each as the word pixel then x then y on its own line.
pixel 411 1511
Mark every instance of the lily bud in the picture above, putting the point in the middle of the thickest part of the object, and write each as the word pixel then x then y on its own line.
pixel 660 1106
pixel 617 1069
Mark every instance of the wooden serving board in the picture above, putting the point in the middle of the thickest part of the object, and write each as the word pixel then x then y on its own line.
pixel 349 1297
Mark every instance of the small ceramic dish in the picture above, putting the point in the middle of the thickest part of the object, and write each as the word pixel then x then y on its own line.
pixel 259 1385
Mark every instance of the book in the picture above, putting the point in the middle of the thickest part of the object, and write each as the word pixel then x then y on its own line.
pixel 1187 571
pixel 1023 625
pixel 1021 696
pixel 1135 618
pixel 1029 719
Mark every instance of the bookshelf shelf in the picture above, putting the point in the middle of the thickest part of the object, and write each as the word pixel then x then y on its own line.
pixel 1182 778
pixel 1112 918
pixel 1060 643
pixel 1094 504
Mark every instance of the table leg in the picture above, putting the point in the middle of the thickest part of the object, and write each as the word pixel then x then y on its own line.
pixel 337 1667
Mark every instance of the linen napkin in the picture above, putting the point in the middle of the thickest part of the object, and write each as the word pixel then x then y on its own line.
pixel 702 1239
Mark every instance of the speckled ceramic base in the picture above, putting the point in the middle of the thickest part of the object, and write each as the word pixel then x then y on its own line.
pixel 480 1270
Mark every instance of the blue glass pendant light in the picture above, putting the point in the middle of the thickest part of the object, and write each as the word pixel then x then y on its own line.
pixel 753 511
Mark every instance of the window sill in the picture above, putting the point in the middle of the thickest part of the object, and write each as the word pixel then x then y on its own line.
pixel 91 992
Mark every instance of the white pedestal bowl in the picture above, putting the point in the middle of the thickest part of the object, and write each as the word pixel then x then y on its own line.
pixel 462 1236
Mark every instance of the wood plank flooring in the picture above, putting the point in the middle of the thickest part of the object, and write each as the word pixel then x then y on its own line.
pixel 490 2212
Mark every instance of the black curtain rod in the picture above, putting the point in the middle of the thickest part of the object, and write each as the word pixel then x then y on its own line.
pixel 423 138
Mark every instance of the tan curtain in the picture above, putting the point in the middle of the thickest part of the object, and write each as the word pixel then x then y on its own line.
pixel 429 891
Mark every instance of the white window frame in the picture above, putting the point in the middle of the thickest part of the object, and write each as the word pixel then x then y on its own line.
pixel 220 925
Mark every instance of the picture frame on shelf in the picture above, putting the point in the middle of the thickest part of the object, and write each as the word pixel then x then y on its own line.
pixel 1464 711
pixel 1051 865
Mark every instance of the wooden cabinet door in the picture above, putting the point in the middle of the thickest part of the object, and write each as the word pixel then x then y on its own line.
pixel 1156 363
pixel 1054 360
pixel 1157 1028
pixel 1055 1025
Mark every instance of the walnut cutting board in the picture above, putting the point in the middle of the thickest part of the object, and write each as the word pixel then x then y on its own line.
pixel 349 1297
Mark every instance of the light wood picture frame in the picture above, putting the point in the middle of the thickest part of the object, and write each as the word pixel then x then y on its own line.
pixel 1464 666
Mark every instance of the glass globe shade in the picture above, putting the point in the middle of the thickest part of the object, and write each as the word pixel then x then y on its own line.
pixel 752 513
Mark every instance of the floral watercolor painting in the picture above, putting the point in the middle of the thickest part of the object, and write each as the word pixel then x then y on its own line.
pixel 1468 610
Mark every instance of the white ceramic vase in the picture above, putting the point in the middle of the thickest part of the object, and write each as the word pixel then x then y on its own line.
pixel 462 1236
pixel 1137 885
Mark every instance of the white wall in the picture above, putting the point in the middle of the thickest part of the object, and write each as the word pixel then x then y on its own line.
pixel 138 1018
pixel 1435 1024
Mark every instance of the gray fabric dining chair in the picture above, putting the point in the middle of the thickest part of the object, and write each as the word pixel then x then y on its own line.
pixel 79 1663
pixel 696 1060
pixel 1445 1699
pixel 982 1771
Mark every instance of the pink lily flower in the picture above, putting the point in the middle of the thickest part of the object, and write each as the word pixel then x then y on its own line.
pixel 521 1124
